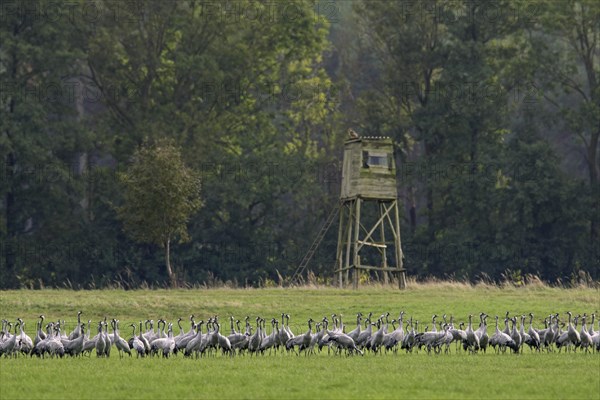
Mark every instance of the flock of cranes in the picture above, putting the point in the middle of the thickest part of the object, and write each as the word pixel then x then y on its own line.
pixel 370 334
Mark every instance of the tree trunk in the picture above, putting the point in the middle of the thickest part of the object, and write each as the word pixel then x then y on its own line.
pixel 172 279
pixel 10 206
pixel 413 209
pixel 594 185
pixel 11 244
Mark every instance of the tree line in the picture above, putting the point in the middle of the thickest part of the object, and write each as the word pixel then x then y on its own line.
pixel 494 109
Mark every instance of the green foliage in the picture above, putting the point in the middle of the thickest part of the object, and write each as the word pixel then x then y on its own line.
pixel 160 195
pixel 493 108
pixel 466 97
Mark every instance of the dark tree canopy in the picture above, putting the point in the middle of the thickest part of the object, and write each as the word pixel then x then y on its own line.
pixel 110 121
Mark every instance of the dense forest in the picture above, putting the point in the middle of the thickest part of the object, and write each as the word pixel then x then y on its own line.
pixel 493 107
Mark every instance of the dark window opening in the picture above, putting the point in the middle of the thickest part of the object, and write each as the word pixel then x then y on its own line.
pixel 378 161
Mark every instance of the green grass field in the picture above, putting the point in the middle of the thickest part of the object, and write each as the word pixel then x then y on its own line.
pixel 416 375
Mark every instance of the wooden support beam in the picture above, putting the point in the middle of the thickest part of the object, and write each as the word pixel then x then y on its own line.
pixel 371 267
pixel 356 260
pixel 379 245
pixel 376 225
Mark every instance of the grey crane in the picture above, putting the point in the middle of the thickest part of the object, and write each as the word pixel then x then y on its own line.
pixel 302 341
pixel 193 345
pixel 237 339
pixel 270 341
pixel 75 347
pixel 481 332
pixel 377 338
pixel 515 335
pixel 78 330
pixel 430 339
pixel 365 336
pixel 24 341
pixel 344 342
pixel 409 339
pixel 256 338
pixel 120 343
pixel 54 345
pixel 472 342
pixel 136 344
pixel 500 340
pixel 398 333
pixel 9 346
pixel 525 337
pixel 574 336
pixel 100 342
pixel 551 333
pixel 284 335
pixel 88 344
pixel 506 319
pixel 586 338
pixel 165 345
pixel 533 334
pixel 182 340
pixel 356 331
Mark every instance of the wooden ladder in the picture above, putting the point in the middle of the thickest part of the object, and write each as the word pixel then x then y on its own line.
pixel 315 245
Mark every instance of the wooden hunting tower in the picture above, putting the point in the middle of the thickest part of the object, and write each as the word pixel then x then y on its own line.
pixel 369 181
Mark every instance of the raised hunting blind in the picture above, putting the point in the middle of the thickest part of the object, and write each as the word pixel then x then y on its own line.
pixel 369 184
pixel 369 229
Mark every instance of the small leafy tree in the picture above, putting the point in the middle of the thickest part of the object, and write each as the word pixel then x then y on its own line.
pixel 160 195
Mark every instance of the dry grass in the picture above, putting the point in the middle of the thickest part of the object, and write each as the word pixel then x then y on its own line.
pixel 509 279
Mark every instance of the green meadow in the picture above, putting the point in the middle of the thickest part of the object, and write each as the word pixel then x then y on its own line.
pixel 416 375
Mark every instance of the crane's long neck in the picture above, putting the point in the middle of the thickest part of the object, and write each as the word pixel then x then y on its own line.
pixel 522 324
pixel 531 321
